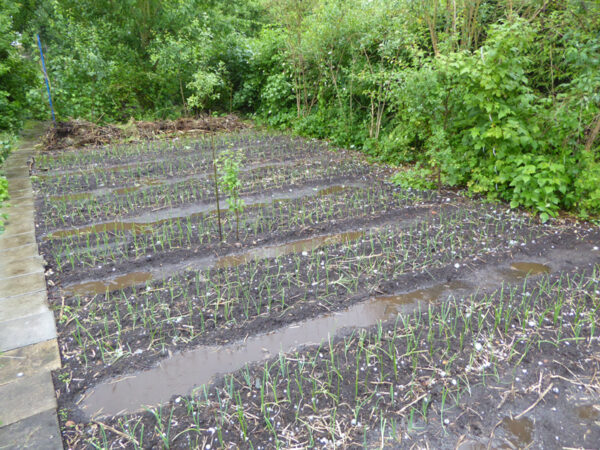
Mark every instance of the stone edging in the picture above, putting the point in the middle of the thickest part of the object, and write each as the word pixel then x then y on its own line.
pixel 28 345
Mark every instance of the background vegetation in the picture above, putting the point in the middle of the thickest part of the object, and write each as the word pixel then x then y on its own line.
pixel 500 96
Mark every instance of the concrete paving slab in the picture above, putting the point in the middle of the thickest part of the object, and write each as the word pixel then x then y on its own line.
pixel 16 172
pixel 17 224
pixel 28 252
pixel 28 361
pixel 28 346
pixel 19 153
pixel 22 201
pixel 19 210
pixel 20 267
pixel 25 284
pixel 21 193
pixel 18 158
pixel 17 184
pixel 14 241
pixel 15 254
pixel 26 397
pixel 16 168
pixel 26 331
pixel 36 432
pixel 23 306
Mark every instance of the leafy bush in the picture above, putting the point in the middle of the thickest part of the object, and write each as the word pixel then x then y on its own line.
pixel 586 193
pixel 414 177
pixel 503 99
pixel 6 143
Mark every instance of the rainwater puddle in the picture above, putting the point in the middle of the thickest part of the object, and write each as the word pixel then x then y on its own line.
pixel 331 190
pixel 275 251
pixel 521 431
pixel 144 182
pixel 145 222
pixel 521 270
pixel 588 412
pixel 105 227
pixel 184 371
pixel 72 197
pixel 101 287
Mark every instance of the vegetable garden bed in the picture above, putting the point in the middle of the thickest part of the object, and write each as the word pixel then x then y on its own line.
pixel 404 317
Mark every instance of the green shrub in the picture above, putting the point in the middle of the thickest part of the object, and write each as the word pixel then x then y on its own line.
pixel 6 143
pixel 415 177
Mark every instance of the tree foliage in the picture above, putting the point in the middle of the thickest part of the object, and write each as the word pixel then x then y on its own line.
pixel 500 96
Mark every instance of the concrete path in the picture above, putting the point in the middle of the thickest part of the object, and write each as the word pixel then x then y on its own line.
pixel 28 346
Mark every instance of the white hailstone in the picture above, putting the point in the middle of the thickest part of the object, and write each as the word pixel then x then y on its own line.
pixel 353 422
pixel 304 253
pixel 446 421
pixel 457 265
pixel 453 382
pixel 478 346
pixel 555 390
pixel 531 323
pixel 524 370
pixel 596 247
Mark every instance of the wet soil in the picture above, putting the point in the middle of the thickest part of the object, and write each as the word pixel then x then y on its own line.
pixel 384 319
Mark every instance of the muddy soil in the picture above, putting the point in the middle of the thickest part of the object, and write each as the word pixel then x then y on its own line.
pixel 363 317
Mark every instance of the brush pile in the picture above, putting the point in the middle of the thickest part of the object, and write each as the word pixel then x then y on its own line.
pixel 80 133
